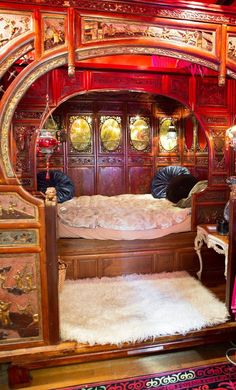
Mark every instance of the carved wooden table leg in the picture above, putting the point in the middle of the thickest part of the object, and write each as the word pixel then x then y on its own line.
pixel 208 234
pixel 198 242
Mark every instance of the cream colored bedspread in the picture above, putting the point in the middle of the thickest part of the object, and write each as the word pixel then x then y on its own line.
pixel 121 212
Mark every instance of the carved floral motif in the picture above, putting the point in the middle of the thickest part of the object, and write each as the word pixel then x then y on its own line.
pixel 202 161
pixel 13 25
pixel 210 93
pixel 76 160
pixel 107 160
pixel 17 238
pixel 219 120
pixel 23 138
pixel 27 115
pixel 125 81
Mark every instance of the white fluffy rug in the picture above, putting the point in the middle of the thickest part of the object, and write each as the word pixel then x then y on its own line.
pixel 136 307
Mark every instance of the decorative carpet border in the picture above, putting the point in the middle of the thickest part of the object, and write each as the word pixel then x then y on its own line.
pixel 217 376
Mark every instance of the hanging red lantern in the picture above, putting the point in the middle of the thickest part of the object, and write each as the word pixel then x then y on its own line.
pixel 46 142
pixel 47 139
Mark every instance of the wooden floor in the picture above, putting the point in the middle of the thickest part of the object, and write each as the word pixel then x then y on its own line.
pixel 53 378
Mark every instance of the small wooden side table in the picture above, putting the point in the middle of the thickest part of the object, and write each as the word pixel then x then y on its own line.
pixel 208 234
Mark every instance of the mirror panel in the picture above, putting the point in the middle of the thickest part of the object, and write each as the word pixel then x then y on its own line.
pixel 140 133
pixel 166 142
pixel 80 132
pixel 110 132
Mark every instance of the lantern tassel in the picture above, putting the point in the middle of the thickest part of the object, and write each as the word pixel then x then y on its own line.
pixel 47 171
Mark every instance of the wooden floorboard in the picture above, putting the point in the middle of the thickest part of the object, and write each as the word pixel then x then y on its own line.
pixel 68 375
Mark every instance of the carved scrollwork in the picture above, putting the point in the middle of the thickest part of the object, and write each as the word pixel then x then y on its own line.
pixel 208 214
pixel 82 54
pixel 12 103
pixel 76 161
pixel 94 29
pixel 108 160
pixel 7 62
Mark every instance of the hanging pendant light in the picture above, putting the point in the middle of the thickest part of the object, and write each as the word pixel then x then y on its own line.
pixel 47 138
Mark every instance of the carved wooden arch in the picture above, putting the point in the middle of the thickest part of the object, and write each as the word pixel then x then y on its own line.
pixel 51 61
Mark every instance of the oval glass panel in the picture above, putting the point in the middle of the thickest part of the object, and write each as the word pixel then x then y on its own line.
pixel 80 134
pixel 168 142
pixel 140 134
pixel 111 134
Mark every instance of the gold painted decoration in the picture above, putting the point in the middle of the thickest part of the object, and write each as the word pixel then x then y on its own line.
pixel 83 54
pixel 20 290
pixel 231 46
pixel 110 132
pixel 140 133
pixel 12 103
pixel 13 25
pixel 18 238
pixel 80 132
pixel 54 31
pixel 167 142
pixel 96 29
pixel 14 208
pixel 5 313
pixel 19 53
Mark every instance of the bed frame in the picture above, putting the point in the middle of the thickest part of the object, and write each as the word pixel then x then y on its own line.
pixel 210 99
pixel 83 260
pixel 97 258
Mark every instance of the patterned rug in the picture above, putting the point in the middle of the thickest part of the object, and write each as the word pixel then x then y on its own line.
pixel 218 376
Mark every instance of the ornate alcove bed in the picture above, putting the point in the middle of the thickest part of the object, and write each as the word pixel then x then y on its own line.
pixel 162 86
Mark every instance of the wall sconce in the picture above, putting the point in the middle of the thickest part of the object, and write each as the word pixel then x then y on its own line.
pixel 231 137
pixel 171 132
